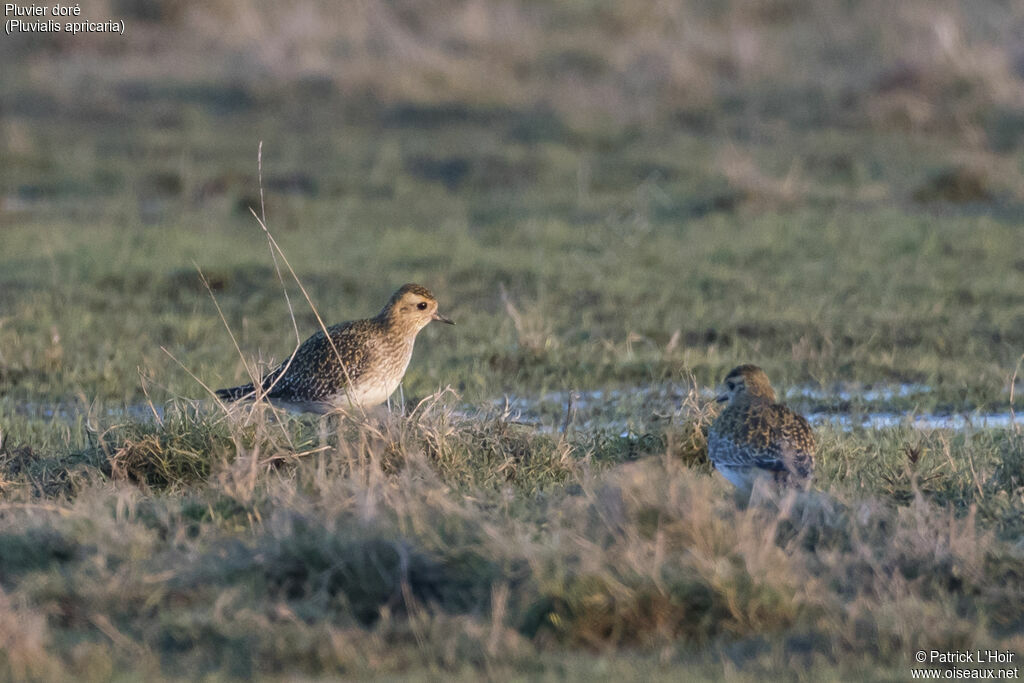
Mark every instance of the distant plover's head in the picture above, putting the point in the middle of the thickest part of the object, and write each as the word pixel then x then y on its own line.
pixel 745 382
pixel 411 309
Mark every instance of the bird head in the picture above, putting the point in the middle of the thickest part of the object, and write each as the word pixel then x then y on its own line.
pixel 412 308
pixel 745 382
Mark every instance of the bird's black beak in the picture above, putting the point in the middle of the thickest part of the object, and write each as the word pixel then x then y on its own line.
pixel 442 319
pixel 722 398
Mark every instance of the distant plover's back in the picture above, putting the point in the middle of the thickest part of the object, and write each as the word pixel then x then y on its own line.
pixel 358 363
pixel 757 437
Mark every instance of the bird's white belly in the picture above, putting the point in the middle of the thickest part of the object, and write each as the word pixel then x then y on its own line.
pixel 741 477
pixel 367 394
pixel 374 389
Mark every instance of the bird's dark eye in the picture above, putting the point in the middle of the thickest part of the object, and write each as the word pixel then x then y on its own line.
pixel 730 385
pixel 422 305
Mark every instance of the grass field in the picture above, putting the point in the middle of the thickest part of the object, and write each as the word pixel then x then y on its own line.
pixel 618 199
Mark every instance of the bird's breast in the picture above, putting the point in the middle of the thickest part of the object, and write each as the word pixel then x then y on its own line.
pixel 380 378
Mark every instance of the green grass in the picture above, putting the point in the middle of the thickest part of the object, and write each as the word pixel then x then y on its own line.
pixel 435 544
pixel 439 544
pixel 604 203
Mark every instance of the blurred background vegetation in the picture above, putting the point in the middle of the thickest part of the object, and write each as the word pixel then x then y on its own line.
pixel 830 188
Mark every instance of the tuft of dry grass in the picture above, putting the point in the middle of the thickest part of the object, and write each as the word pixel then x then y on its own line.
pixel 436 539
pixel 25 642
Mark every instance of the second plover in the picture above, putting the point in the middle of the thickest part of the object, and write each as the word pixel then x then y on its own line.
pixel 757 437
pixel 357 363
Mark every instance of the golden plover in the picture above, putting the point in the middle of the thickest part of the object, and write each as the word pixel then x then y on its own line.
pixel 757 437
pixel 358 363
